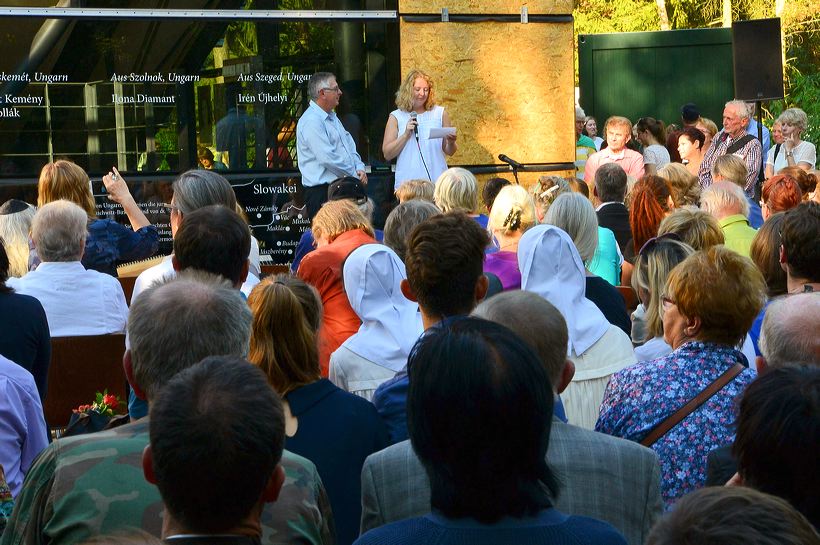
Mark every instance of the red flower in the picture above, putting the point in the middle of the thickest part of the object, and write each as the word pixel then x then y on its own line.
pixel 111 401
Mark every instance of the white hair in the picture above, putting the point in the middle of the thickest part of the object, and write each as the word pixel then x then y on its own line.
pixel 789 334
pixel 740 107
pixel 723 199
pixel 59 231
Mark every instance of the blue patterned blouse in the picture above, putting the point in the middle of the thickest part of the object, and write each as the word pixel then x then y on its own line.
pixel 110 243
pixel 642 396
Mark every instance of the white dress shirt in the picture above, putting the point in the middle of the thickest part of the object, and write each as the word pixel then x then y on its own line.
pixel 77 301
pixel 325 150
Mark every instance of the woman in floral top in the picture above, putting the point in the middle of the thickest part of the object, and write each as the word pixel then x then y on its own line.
pixel 711 299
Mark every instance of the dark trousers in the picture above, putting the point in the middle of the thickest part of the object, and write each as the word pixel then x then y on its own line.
pixel 315 197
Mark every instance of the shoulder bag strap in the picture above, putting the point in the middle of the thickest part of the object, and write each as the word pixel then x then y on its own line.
pixel 661 429
pixel 739 143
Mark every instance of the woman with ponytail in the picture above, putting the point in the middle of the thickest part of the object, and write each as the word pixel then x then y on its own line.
pixel 513 212
pixel 652 134
pixel 650 202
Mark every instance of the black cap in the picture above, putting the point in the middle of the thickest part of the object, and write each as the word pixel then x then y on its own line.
pixel 689 112
pixel 347 188
pixel 12 206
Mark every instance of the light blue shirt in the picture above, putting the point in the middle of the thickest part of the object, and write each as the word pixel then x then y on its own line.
pixel 325 150
pixel 767 142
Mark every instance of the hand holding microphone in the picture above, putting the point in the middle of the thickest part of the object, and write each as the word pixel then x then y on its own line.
pixel 415 124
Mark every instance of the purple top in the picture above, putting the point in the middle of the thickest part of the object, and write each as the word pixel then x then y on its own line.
pixel 504 265
pixel 23 431
pixel 643 395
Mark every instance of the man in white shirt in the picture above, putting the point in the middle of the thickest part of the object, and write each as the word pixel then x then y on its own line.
pixel 77 301
pixel 325 150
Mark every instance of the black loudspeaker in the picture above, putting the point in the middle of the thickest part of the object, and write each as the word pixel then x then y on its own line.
pixel 757 59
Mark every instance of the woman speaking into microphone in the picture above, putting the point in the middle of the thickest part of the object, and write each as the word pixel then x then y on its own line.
pixel 407 134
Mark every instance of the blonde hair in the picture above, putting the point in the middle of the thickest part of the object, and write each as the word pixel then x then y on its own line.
pixel 547 189
pixel 697 228
pixel 337 217
pixel 289 356
pixel 710 126
pixel 512 211
pixel 14 233
pixel 456 189
pixel 404 96
pixel 415 189
pixel 652 268
pixel 731 168
pixel 619 121
pixel 64 180
pixel 684 185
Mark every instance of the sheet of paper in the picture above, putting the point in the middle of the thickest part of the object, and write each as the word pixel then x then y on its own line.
pixel 441 132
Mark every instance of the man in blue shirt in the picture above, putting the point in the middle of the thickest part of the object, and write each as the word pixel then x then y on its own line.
pixel 325 150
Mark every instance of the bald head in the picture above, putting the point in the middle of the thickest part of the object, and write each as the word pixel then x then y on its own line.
pixel 536 321
pixel 790 334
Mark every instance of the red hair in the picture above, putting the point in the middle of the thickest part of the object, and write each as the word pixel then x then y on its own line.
pixel 781 192
pixel 648 206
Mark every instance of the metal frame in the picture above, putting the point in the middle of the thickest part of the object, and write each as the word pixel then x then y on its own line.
pixel 210 15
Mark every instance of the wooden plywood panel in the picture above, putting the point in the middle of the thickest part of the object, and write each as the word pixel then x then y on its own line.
pixel 539 7
pixel 508 87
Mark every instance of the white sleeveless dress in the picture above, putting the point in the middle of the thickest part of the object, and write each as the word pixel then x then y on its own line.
pixel 409 165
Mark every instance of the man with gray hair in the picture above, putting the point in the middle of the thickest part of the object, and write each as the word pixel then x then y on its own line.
pixel 602 477
pixel 609 192
pixel 790 334
pixel 325 150
pixel 77 301
pixel 402 220
pixel 93 484
pixel 728 204
pixel 734 139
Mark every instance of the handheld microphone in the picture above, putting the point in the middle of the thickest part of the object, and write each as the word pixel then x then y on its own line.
pixel 513 163
pixel 414 117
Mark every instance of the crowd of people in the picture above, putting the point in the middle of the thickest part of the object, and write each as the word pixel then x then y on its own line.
pixel 472 372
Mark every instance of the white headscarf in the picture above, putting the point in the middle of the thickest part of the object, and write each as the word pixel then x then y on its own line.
pixel 551 267
pixel 391 323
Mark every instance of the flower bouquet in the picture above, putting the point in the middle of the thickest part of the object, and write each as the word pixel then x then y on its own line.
pixel 97 416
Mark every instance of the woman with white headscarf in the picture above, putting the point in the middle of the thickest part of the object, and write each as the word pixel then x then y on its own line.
pixel 391 323
pixel 551 267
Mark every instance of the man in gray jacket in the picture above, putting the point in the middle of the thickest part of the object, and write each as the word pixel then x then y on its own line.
pixel 602 477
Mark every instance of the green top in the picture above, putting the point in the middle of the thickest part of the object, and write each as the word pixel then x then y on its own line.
pixel 94 485
pixel 738 234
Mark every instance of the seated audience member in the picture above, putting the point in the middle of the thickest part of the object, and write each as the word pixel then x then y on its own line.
pixel 584 145
pixel 193 190
pixel 347 188
pixel 15 226
pixel 491 189
pixel 650 202
pixel 339 228
pixel 733 516
pixel 652 135
pixel 779 193
pixel 23 431
pixel 457 189
pixel 618 131
pixel 174 324
pixel 731 168
pixel 694 227
pixel 444 262
pixel 402 220
pixel 551 267
pixel 709 130
pixel 790 335
pixel 691 150
pixel 512 214
pixel 395 486
pixel 221 419
pixel 727 203
pixel 573 213
pixel 806 180
pixel 77 301
pixel 709 303
pixel 328 426
pixel 765 252
pixel 656 260
pixel 544 193
pixel 459 423
pixel 794 152
pixel 683 185
pixel 24 337
pixel 778 436
pixel 609 192
pixel 415 190
pixel 799 251
pixel 108 242
pixel 391 323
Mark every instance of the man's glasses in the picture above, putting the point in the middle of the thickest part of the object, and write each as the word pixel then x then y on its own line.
pixel 334 89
